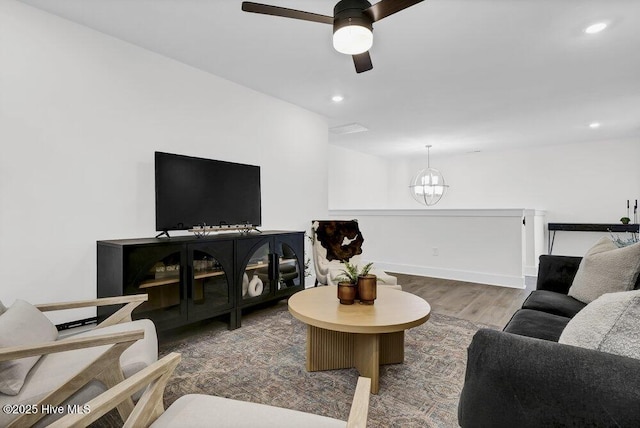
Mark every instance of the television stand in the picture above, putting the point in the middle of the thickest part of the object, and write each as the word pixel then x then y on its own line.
pixel 189 279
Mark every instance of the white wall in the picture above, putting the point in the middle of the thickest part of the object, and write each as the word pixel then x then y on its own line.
pixel 486 246
pixel 586 182
pixel 81 114
pixel 573 183
pixel 357 180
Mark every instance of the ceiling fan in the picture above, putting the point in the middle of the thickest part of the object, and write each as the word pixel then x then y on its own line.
pixel 352 22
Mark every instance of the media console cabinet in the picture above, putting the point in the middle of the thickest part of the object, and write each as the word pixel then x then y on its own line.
pixel 190 279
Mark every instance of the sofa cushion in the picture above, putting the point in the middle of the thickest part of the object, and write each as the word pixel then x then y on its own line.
pixel 606 269
pixel 611 323
pixel 553 303
pixel 556 273
pixel 541 325
pixel 520 382
pixel 196 410
pixel 22 324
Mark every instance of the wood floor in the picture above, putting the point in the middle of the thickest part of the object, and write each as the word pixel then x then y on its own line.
pixel 485 304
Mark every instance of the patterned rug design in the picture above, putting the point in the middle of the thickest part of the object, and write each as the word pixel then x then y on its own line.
pixel 264 362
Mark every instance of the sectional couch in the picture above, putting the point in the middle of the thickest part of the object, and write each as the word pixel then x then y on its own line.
pixel 522 376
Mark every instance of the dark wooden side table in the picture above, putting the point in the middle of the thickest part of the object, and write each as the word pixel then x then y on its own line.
pixel 587 227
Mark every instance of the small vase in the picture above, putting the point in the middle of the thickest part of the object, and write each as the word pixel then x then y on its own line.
pixel 245 284
pixel 367 289
pixel 255 286
pixel 346 293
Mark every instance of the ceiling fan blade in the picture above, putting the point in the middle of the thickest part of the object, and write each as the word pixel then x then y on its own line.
pixel 362 62
pixel 384 8
pixel 266 9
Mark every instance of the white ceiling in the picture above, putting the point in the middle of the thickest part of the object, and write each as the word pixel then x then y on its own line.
pixel 462 75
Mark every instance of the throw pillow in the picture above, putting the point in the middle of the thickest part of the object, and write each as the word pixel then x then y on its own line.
pixel 611 323
pixel 22 324
pixel 606 269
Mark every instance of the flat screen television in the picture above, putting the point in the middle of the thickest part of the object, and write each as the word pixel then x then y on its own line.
pixel 193 191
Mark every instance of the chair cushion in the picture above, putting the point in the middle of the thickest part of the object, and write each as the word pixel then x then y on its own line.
pixel 196 410
pixel 141 353
pixel 22 324
pixel 52 370
pixel 553 303
pixel 384 278
pixel 541 325
pixel 606 269
pixel 611 323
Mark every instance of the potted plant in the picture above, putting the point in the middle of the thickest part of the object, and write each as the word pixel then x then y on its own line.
pixel 625 220
pixel 361 284
pixel 367 285
pixel 347 284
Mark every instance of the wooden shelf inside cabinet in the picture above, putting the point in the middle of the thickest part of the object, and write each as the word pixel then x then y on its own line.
pixel 256 266
pixel 263 265
pixel 208 274
pixel 159 282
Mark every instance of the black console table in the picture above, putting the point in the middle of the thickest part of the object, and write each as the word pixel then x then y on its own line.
pixel 587 227
pixel 189 279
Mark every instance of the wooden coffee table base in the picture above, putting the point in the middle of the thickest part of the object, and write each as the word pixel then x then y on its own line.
pixel 360 336
pixel 329 350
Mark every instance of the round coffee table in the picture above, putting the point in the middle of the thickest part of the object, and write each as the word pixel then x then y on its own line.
pixel 361 336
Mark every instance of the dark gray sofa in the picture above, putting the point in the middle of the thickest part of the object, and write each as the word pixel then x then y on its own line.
pixel 521 376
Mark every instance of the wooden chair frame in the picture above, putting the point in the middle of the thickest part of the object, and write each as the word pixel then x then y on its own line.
pixel 105 368
pixel 150 406
pixel 122 315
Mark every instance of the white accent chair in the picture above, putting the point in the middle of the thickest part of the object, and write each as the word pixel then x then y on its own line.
pixel 39 367
pixel 328 271
pixel 198 410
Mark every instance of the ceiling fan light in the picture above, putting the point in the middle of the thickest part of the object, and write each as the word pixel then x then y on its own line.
pixel 352 39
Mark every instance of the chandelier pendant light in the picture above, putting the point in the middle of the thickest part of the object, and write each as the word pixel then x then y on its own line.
pixel 428 186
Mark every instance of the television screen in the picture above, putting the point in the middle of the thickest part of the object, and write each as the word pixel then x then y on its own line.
pixel 193 191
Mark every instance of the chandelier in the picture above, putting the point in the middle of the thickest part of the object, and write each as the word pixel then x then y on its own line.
pixel 428 186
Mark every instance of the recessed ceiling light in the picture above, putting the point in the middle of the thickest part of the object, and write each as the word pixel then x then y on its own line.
pixel 337 98
pixel 595 28
pixel 594 125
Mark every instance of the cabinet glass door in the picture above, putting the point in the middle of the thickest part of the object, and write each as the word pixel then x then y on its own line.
pixel 211 279
pixel 256 280
pixel 289 272
pixel 159 277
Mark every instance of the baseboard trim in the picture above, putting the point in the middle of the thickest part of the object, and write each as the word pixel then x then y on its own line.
pixel 456 275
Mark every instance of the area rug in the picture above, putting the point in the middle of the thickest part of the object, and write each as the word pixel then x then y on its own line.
pixel 264 362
